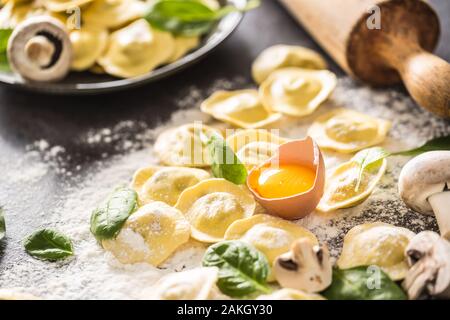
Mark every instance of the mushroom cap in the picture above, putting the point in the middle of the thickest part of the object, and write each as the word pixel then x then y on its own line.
pixel 422 177
pixel 57 36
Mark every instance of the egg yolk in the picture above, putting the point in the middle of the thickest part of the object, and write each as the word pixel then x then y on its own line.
pixel 284 181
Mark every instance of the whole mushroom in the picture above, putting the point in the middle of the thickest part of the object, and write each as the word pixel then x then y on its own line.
pixel 305 267
pixel 39 49
pixel 424 186
pixel 429 259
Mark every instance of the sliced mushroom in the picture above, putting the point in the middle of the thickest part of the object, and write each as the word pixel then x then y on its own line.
pixel 429 258
pixel 306 267
pixel 424 186
pixel 39 49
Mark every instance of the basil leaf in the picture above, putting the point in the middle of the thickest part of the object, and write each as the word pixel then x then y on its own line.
pixel 361 284
pixel 224 162
pixel 4 37
pixel 2 224
pixel 188 17
pixel 369 159
pixel 243 270
pixel 442 143
pixel 48 244
pixel 108 218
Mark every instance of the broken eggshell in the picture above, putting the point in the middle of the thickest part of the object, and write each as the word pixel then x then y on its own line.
pixel 304 153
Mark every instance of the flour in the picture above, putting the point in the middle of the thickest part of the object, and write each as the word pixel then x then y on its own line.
pixel 93 273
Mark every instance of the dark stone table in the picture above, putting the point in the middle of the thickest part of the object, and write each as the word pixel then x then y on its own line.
pixel 27 117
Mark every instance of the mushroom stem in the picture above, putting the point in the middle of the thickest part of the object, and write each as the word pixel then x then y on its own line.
pixel 440 202
pixel 40 50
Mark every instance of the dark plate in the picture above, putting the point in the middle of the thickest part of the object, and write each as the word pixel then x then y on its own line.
pixel 88 83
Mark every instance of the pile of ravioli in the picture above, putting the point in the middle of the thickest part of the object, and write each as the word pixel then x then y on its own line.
pixel 113 37
pixel 180 201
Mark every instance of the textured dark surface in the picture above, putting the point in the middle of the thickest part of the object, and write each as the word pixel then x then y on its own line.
pixel 27 117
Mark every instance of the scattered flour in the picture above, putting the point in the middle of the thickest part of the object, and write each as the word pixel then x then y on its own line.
pixel 93 273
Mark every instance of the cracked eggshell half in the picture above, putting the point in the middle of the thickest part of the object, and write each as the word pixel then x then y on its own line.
pixel 165 183
pixel 150 235
pixel 340 188
pixel 182 146
pixel 241 108
pixel 212 205
pixel 283 56
pixel 136 50
pixel 297 92
pixel 304 153
pixel 379 244
pixel 348 131
pixel 88 43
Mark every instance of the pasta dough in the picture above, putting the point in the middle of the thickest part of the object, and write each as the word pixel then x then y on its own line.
pixel 88 44
pixel 348 131
pixel 114 13
pixel 150 235
pixel 378 244
pixel 283 56
pixel 296 92
pixel 341 186
pixel 183 146
pixel 182 46
pixel 241 108
pixel 212 206
pixel 136 49
pixel 165 183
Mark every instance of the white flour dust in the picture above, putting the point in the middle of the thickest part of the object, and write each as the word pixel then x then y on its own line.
pixel 92 273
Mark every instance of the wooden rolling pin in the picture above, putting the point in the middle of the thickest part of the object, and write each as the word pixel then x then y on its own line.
pixel 399 50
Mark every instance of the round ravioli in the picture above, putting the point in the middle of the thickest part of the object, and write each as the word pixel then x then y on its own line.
pixel 241 108
pixel 290 294
pixel 256 153
pixel 136 50
pixel 194 284
pixel 165 183
pixel 182 46
pixel 183 146
pixel 379 244
pixel 150 235
pixel 283 56
pixel 241 138
pixel 297 92
pixel 88 44
pixel 113 14
pixel 64 5
pixel 271 235
pixel 341 187
pixel 212 205
pixel 348 131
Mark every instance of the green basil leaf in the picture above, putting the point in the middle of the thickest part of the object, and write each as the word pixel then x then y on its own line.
pixel 48 244
pixel 369 159
pixel 442 143
pixel 243 270
pixel 224 162
pixel 2 224
pixel 4 37
pixel 108 218
pixel 361 284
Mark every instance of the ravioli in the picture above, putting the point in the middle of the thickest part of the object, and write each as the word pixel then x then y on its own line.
pixel 150 235
pixel 64 5
pixel 270 235
pixel 88 44
pixel 114 13
pixel 341 186
pixel 296 92
pixel 13 13
pixel 183 146
pixel 165 183
pixel 379 244
pixel 348 131
pixel 290 294
pixel 212 206
pixel 182 46
pixel 241 108
pixel 256 153
pixel 136 50
pixel 241 138
pixel 283 56
pixel 194 284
